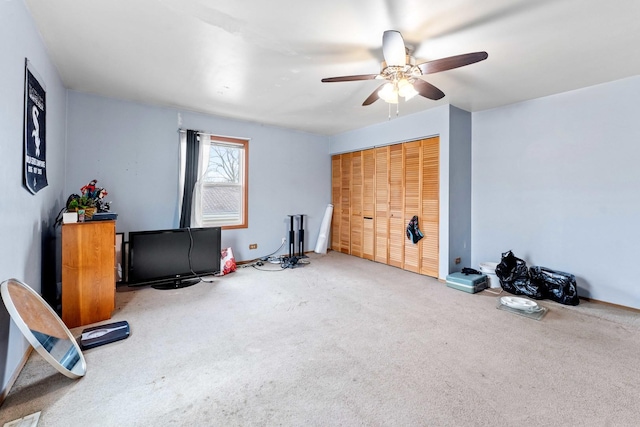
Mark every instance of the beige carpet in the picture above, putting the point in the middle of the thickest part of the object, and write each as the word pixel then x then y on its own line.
pixel 343 341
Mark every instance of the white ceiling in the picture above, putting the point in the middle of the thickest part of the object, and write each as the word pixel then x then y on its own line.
pixel 262 61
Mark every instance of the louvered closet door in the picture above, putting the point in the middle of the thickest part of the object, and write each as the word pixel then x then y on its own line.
pixel 382 205
pixel 430 206
pixel 345 203
pixel 336 183
pixel 375 194
pixel 356 204
pixel 368 203
pixel 412 175
pixel 396 206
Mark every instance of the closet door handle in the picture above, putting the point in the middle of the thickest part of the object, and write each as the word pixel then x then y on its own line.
pixel 368 217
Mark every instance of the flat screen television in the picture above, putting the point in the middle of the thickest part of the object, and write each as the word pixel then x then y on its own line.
pixel 169 259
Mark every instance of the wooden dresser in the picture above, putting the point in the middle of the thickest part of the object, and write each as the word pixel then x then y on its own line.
pixel 88 272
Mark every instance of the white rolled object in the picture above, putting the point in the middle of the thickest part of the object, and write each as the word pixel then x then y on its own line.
pixel 323 236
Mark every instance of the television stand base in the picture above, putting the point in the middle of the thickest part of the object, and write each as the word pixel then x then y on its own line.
pixel 176 284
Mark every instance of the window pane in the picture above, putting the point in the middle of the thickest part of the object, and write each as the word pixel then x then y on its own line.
pixel 222 202
pixel 224 164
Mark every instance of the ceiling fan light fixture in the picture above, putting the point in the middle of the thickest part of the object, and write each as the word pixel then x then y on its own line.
pixel 406 89
pixel 389 93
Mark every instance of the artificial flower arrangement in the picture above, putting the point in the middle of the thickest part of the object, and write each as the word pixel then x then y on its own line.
pixel 91 200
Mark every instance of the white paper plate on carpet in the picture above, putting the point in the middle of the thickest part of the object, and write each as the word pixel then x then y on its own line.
pixel 519 303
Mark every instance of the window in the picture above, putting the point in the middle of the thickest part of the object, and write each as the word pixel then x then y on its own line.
pixel 213 180
pixel 223 189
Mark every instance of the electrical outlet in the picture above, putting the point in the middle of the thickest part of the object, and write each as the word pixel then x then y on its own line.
pixel 458 260
pixel 284 239
pixel 253 246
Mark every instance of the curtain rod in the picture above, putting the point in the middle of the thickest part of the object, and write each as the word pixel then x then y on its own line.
pixel 180 130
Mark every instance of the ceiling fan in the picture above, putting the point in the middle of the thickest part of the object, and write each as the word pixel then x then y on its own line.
pixel 403 76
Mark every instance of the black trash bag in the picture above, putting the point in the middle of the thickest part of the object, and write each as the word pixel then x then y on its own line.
pixel 561 286
pixel 514 277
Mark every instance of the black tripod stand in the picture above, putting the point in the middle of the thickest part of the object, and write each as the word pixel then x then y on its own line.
pixel 292 260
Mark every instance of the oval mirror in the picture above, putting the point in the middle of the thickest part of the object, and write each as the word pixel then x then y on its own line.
pixel 43 328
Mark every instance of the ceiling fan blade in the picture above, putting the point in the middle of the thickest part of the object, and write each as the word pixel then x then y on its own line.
pixel 393 48
pixel 427 90
pixel 373 97
pixel 452 62
pixel 350 78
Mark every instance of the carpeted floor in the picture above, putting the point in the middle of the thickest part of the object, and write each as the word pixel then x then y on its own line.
pixel 343 341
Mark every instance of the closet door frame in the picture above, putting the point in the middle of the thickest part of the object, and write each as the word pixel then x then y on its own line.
pixel 389 217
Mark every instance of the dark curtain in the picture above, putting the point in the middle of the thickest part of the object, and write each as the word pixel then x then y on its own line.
pixel 190 177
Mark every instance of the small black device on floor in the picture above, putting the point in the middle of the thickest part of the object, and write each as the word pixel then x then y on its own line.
pixel 104 334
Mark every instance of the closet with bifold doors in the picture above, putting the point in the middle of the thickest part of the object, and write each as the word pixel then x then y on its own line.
pixel 375 194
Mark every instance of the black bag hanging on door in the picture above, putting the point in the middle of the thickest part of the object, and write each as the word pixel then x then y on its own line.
pixel 413 232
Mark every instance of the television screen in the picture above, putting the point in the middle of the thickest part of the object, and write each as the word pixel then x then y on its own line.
pixel 173 256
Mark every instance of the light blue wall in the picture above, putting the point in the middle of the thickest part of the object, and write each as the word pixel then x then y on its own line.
pixel 556 180
pixel 27 220
pixel 459 189
pixel 132 150
pixel 432 122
